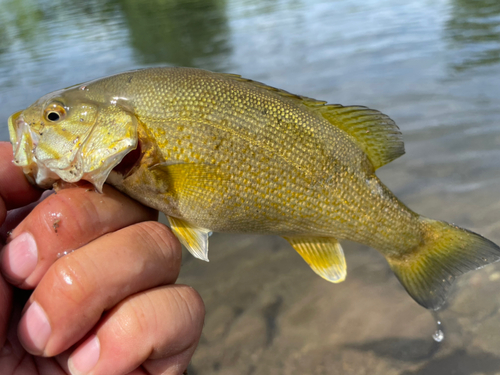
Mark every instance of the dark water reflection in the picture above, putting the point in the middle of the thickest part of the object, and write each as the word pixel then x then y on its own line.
pixel 177 32
pixel 473 30
pixel 433 66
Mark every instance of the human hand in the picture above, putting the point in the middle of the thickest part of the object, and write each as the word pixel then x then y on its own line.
pixel 110 306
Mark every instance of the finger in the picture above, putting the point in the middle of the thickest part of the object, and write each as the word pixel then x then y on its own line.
pixel 79 287
pixel 5 310
pixel 48 366
pixel 159 328
pixel 15 216
pixel 62 223
pixel 12 354
pixel 15 190
pixel 13 358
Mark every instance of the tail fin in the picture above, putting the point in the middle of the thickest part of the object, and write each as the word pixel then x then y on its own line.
pixel 446 252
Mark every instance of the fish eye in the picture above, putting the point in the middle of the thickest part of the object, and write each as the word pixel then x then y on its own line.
pixel 54 112
pixel 53 116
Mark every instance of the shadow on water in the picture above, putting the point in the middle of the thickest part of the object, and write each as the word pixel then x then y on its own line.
pixel 473 29
pixel 270 316
pixel 401 349
pixel 183 33
pixel 460 362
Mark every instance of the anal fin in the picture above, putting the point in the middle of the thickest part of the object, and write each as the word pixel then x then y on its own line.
pixel 194 238
pixel 323 254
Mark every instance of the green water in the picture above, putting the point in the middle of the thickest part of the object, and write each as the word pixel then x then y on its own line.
pixel 433 66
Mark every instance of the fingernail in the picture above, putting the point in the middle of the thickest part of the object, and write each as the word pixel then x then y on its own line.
pixel 20 257
pixel 85 357
pixel 34 329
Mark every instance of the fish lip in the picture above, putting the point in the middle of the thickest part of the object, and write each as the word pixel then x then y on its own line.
pixel 12 121
pixel 24 142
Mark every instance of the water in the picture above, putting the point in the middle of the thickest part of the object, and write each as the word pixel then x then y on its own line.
pixel 433 66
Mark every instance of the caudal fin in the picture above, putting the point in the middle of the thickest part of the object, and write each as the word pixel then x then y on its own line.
pixel 446 252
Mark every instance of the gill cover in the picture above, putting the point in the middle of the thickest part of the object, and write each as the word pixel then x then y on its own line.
pixel 113 137
pixel 83 142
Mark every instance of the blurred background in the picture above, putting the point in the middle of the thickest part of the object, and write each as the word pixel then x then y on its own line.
pixel 432 65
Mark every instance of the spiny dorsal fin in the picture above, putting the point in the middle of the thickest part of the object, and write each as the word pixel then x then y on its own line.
pixel 375 133
pixel 324 255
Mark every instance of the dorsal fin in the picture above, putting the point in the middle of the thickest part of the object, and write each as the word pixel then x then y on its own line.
pixel 375 133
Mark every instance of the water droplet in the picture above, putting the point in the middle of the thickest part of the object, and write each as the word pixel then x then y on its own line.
pixel 438 335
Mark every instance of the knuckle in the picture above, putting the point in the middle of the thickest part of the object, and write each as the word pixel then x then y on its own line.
pixel 191 303
pixel 69 281
pixel 169 319
pixel 157 235
pixel 184 305
pixel 131 321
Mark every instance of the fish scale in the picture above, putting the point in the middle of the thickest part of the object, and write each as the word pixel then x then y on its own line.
pixel 217 152
pixel 257 129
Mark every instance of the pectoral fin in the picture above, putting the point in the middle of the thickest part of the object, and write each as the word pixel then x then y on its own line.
pixel 190 180
pixel 194 238
pixel 324 255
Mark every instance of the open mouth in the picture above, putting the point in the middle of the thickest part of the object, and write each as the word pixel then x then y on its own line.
pixel 130 162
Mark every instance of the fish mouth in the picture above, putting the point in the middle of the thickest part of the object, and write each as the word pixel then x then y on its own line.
pixel 17 131
pixel 24 142
pixel 29 148
pixel 22 146
pixel 12 128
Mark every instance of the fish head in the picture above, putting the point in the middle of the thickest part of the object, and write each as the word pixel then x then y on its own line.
pixel 73 135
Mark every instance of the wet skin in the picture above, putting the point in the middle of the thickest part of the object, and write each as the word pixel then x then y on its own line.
pixel 118 286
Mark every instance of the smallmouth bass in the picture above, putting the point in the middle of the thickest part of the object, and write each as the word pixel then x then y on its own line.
pixel 217 152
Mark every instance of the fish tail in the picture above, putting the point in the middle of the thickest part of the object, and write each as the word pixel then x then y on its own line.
pixel 445 252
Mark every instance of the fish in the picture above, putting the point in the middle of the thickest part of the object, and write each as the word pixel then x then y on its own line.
pixel 216 152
